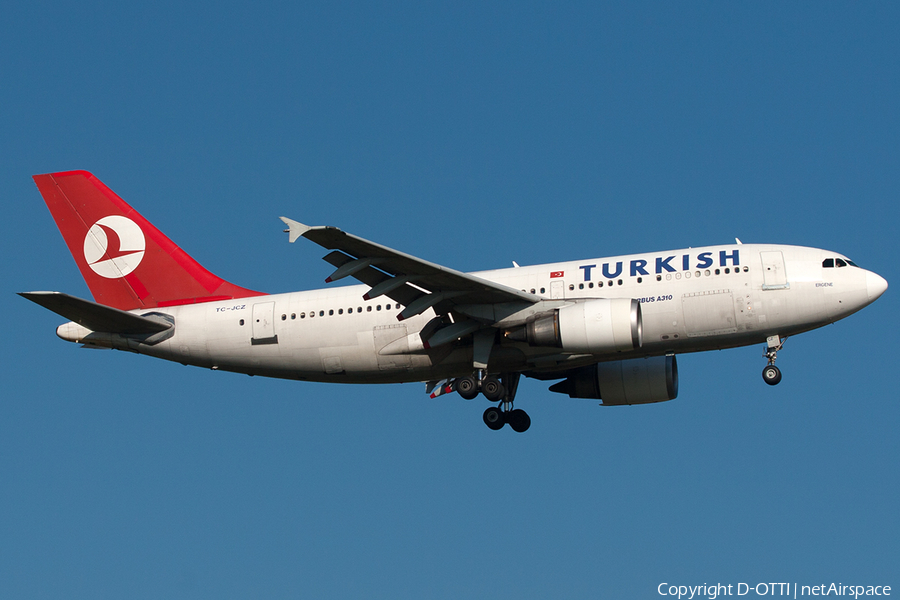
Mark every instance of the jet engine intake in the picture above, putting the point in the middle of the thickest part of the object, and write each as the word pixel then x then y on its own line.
pixel 632 381
pixel 593 326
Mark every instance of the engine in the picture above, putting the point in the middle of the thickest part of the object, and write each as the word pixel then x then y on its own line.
pixel 633 381
pixel 593 326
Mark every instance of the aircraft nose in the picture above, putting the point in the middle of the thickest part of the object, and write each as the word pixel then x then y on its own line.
pixel 875 285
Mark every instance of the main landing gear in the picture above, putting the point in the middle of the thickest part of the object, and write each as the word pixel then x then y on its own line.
pixel 495 418
pixel 502 390
pixel 772 374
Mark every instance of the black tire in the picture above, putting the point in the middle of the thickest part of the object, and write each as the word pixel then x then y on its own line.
pixel 494 418
pixel 492 389
pixel 519 420
pixel 771 375
pixel 467 387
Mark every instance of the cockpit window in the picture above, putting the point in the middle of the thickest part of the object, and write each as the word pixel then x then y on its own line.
pixel 829 263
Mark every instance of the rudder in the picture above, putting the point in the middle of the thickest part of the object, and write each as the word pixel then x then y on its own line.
pixel 126 261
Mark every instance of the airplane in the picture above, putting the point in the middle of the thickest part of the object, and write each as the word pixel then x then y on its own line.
pixel 607 329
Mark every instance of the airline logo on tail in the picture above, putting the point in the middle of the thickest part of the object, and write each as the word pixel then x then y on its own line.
pixel 114 246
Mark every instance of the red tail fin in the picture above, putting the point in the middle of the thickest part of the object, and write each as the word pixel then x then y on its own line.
pixel 127 262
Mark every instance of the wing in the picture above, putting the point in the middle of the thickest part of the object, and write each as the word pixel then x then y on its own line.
pixel 413 282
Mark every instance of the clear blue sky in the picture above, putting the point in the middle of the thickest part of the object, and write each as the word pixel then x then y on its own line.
pixel 470 134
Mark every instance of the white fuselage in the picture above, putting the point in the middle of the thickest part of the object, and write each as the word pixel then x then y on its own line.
pixel 692 300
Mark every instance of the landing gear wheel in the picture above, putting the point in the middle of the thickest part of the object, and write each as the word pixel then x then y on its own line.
pixel 494 419
pixel 519 420
pixel 492 389
pixel 771 375
pixel 467 387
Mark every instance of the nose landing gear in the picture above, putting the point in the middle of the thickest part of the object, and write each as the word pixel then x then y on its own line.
pixel 772 374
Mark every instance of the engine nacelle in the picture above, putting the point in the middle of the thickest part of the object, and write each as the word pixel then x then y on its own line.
pixel 594 327
pixel 633 381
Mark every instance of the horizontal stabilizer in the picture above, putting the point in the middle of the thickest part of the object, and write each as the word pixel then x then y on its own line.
pixel 96 317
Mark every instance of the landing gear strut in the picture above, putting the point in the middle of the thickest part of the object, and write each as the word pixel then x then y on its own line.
pixel 502 389
pixel 772 374
pixel 496 389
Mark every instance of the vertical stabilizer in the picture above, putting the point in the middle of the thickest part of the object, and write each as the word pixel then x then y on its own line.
pixel 126 261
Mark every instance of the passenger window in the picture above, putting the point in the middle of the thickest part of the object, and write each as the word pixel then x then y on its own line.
pixel 321 313
pixel 840 263
pixel 284 317
pixel 659 277
pixel 242 322
pixel 378 307
pixel 591 285
pixel 572 287
pixel 640 279
pixel 330 312
pixel 580 286
pixel 599 284
pixel 620 282
pixel 543 290
pixel 369 308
